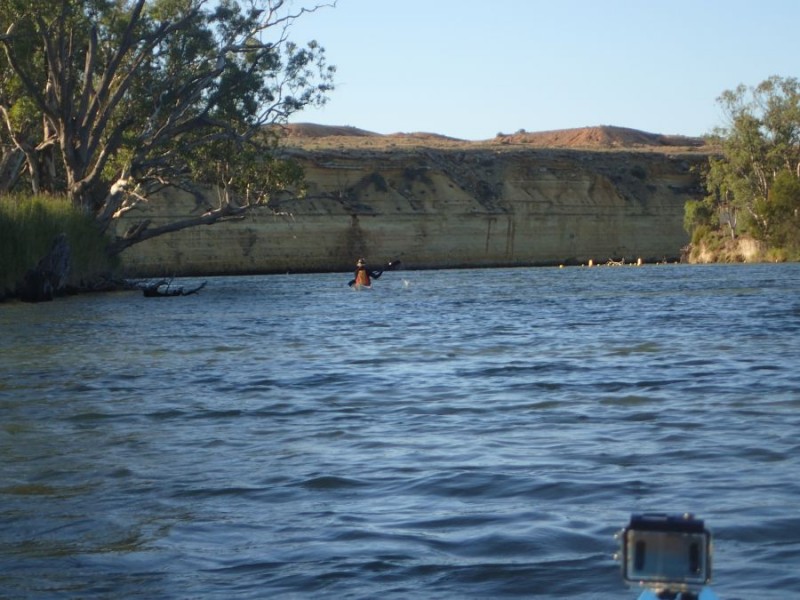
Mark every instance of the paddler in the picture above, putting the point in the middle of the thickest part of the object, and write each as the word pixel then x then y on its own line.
pixel 363 275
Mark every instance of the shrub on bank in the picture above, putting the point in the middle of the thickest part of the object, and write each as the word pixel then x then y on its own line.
pixel 28 226
pixel 716 247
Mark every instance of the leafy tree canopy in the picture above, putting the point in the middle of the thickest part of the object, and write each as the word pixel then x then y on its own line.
pixel 108 101
pixel 753 186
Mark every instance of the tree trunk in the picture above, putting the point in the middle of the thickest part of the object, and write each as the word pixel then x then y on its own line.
pixel 11 164
pixel 49 277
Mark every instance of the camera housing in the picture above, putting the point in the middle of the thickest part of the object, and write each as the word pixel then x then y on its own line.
pixel 666 552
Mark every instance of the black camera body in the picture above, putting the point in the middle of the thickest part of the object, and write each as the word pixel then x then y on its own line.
pixel 666 552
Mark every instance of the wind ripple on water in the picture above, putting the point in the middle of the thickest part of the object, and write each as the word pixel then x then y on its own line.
pixel 481 435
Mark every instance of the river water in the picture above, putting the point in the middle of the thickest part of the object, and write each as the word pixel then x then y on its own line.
pixel 450 434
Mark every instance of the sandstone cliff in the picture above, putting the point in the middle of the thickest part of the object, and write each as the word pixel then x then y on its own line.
pixel 520 199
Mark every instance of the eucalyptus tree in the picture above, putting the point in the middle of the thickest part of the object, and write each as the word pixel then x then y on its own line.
pixel 110 101
pixel 753 185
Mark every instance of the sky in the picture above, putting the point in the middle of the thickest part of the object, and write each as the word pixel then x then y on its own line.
pixel 471 69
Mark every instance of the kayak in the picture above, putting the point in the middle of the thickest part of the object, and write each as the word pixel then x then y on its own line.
pixel 358 287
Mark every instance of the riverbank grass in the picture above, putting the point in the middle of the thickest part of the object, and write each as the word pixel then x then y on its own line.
pixel 28 226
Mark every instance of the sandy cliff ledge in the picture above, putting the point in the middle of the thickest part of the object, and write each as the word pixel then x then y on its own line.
pixel 521 199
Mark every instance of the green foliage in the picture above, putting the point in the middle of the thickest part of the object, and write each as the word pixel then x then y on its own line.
pixel 697 214
pixel 265 174
pixel 28 226
pixel 782 211
pixel 700 233
pixel 783 255
pixel 754 187
pixel 113 101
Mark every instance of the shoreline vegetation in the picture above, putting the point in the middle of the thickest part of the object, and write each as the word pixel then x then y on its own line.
pixel 753 183
pixel 29 226
pixel 718 247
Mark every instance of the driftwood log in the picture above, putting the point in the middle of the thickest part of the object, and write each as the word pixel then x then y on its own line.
pixel 49 278
pixel 163 289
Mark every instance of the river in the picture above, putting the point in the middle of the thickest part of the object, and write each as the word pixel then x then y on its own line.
pixel 450 434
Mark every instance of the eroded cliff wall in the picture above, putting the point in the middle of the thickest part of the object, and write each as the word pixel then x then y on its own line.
pixel 443 208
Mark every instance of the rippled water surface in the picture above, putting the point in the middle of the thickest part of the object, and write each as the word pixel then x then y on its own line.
pixel 451 434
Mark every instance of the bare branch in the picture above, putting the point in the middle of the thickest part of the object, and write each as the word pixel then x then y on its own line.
pixel 144 232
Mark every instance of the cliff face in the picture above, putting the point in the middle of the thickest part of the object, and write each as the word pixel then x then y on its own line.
pixel 445 206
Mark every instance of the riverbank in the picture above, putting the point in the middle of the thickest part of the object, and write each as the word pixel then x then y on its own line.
pixel 721 248
pixel 45 237
pixel 598 195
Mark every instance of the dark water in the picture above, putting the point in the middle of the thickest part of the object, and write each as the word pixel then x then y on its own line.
pixel 451 434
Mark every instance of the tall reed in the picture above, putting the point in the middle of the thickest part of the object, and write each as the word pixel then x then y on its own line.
pixel 28 226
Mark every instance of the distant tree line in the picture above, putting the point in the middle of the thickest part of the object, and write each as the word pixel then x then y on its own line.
pixel 753 184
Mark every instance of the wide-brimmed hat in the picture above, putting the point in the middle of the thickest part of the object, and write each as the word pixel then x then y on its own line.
pixel 361 262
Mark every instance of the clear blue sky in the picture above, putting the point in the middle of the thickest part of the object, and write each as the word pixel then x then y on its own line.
pixel 473 68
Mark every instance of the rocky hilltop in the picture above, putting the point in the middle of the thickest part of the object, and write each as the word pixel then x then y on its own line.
pixel 558 197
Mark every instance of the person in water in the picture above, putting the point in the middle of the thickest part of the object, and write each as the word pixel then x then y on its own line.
pixel 364 275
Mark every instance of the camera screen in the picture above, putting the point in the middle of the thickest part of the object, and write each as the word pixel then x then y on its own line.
pixel 666 557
